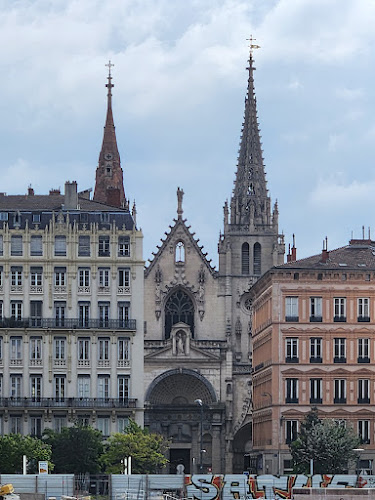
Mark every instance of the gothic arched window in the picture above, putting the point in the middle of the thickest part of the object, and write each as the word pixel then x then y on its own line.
pixel 179 307
pixel 180 252
pixel 257 259
pixel 245 256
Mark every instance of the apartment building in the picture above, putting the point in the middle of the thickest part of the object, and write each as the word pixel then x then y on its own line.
pixel 314 346
pixel 71 304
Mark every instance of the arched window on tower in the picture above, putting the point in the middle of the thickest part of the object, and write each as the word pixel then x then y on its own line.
pixel 178 308
pixel 257 259
pixel 245 256
pixel 180 252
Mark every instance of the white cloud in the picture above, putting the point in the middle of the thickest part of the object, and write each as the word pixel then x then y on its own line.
pixel 336 194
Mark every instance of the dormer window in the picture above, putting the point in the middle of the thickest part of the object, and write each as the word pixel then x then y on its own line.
pixel 180 252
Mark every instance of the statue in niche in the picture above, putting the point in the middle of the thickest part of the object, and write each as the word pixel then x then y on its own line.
pixel 180 343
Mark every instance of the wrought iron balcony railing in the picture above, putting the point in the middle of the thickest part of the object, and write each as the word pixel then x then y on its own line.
pixel 69 323
pixel 60 402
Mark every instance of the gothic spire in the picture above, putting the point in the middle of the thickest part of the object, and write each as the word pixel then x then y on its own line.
pixel 250 202
pixel 109 185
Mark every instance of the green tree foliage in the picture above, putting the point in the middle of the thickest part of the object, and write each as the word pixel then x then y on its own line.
pixel 14 446
pixel 330 444
pixel 75 449
pixel 146 449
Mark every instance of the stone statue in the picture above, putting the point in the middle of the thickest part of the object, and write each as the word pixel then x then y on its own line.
pixel 180 195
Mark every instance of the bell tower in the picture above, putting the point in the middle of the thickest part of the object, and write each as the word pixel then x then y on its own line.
pixel 109 184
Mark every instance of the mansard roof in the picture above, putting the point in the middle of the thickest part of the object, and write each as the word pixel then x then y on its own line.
pixel 53 201
pixel 358 255
pixel 180 223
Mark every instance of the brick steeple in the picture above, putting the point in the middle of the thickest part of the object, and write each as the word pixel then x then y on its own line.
pixel 109 185
pixel 250 201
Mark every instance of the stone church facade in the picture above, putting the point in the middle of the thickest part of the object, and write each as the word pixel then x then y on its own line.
pixel 198 320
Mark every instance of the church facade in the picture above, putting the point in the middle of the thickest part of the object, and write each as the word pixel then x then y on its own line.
pixel 198 320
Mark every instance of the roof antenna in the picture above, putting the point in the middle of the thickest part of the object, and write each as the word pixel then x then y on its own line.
pixel 363 232
pixel 369 233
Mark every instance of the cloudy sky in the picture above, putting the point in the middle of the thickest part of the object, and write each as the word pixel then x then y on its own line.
pixel 180 82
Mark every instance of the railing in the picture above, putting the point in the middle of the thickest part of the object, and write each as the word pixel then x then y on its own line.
pixel 68 402
pixel 69 323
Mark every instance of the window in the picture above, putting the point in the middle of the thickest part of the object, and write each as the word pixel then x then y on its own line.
pixel 103 349
pixel 15 349
pixel 291 350
pixel 84 314
pixel 104 246
pixel 36 276
pixel 60 273
pixel 1 243
pixel 339 304
pixel 123 388
pixel 1 386
pixel 363 391
pixel 103 426
pixel 103 277
pixel 291 308
pixel 16 245
pixel 83 277
pixel 180 252
pixel 123 246
pixel 257 262
pixel 339 350
pixel 316 390
pixel 60 348
pixel 291 390
pixel 340 391
pixel 364 431
pixel 15 386
pixel 16 424
pixel 1 347
pixel 16 310
pixel 103 386
pixel 59 423
pixel 104 216
pixel 36 426
pixel 363 351
pixel 16 276
pixel 315 309
pixel 291 431
pixel 315 350
pixel 60 313
pixel 83 387
pixel 179 307
pixel 36 246
pixel 36 218
pixel 59 388
pixel 1 310
pixel 36 313
pixel 35 348
pixel 123 314
pixel 245 259
pixel 363 310
pixel 122 423
pixel 36 387
pixel 84 246
pixel 123 350
pixel 60 245
pixel 1 275
pixel 124 277
pixel 83 349
pixel 103 314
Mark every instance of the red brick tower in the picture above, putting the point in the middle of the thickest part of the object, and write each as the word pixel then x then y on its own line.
pixel 109 185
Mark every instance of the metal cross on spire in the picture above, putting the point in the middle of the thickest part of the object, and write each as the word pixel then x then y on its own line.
pixel 109 85
pixel 109 65
pixel 252 45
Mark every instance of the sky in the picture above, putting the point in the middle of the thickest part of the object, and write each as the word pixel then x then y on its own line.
pixel 180 82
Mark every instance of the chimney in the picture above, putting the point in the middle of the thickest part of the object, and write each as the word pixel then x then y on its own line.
pixel 71 196
pixel 294 250
pixel 289 256
pixel 325 253
pixel 30 191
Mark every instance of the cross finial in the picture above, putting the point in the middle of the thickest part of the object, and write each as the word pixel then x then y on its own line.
pixel 252 45
pixel 109 85
pixel 109 65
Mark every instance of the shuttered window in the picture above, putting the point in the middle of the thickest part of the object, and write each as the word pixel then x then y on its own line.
pixel 16 245
pixel 36 245
pixel 60 245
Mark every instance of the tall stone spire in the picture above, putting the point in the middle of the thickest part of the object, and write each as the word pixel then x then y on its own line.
pixel 109 185
pixel 250 202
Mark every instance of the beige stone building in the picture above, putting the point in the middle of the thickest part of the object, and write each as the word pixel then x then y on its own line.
pixel 71 305
pixel 313 347
pixel 198 322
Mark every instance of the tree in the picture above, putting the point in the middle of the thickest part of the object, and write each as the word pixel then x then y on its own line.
pixel 14 446
pixel 75 449
pixel 146 449
pixel 329 443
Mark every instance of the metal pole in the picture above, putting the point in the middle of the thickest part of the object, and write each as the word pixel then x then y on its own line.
pixel 201 442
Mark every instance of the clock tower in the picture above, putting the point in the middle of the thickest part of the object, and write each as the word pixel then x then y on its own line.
pixel 109 185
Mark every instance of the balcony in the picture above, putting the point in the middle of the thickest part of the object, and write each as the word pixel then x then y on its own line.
pixel 291 400
pixel 339 401
pixel 69 324
pixel 339 359
pixel 364 401
pixel 364 359
pixel 317 359
pixel 293 359
pixel 363 319
pixel 58 402
pixel 317 401
pixel 316 319
pixel 339 319
pixel 292 319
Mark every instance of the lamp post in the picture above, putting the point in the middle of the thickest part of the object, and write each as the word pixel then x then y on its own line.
pixel 199 402
pixel 358 450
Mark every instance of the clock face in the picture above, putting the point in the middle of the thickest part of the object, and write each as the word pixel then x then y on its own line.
pixel 108 156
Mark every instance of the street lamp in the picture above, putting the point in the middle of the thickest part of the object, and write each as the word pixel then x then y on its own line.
pixel 358 450
pixel 199 402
